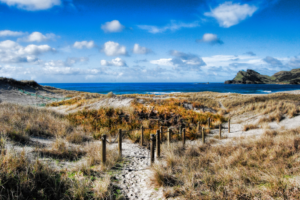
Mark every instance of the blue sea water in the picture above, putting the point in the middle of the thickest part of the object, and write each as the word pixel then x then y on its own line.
pixel 165 88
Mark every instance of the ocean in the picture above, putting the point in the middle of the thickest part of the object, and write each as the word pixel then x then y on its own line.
pixel 167 88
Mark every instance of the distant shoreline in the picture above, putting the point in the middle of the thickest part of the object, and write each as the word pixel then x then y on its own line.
pixel 172 88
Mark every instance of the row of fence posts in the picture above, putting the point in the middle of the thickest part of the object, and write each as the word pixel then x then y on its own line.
pixel 157 140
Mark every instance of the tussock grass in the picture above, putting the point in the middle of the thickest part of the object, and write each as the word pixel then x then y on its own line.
pixel 19 122
pixel 249 169
pixel 61 150
pixel 151 114
pixel 264 104
pixel 22 179
pixel 248 127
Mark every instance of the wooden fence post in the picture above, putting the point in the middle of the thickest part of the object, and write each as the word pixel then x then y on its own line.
pixel 183 137
pixel 120 142
pixel 229 125
pixel 157 143
pixel 169 136
pixel 161 134
pixel 142 136
pixel 203 135
pixel 152 149
pixel 208 123
pixel 103 149
pixel 180 130
pixel 220 131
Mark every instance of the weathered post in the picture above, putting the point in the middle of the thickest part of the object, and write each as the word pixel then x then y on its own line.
pixel 120 142
pixel 161 134
pixel 169 136
pixel 183 137
pixel 152 149
pixel 198 127
pixel 220 131
pixel 229 125
pixel 180 130
pixel 142 136
pixel 157 143
pixel 203 135
pixel 103 156
pixel 208 123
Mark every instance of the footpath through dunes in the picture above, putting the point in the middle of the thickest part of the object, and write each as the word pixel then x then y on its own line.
pixel 133 175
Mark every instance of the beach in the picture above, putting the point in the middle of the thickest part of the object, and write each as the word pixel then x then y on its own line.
pixel 58 131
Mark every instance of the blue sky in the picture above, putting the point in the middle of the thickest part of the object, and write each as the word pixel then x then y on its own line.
pixel 146 41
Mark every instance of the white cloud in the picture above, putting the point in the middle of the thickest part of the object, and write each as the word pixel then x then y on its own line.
pixel 6 33
pixel 38 37
pixel 69 62
pixel 32 4
pixel 272 61
pixel 211 39
pixel 229 14
pixel 163 62
pixel 49 69
pixel 118 62
pixel 84 44
pixel 172 27
pixel 113 26
pixel 12 52
pixel 114 49
pixel 137 49
pixel 181 61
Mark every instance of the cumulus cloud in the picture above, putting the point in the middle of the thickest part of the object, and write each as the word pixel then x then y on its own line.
pixel 139 61
pixel 272 61
pixel 118 62
pixel 38 37
pixel 294 62
pixel 32 5
pixel 250 53
pixel 54 70
pixel 114 49
pixel 229 14
pixel 8 33
pixel 211 39
pixel 181 61
pixel 84 44
pixel 69 62
pixel 137 49
pixel 12 52
pixel 173 26
pixel 113 26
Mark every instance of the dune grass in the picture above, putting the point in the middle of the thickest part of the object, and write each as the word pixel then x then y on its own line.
pixel 25 175
pixel 251 169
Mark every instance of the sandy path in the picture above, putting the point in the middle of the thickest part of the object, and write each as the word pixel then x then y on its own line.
pixel 135 175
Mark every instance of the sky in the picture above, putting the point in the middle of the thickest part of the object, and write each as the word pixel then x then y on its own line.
pixel 82 41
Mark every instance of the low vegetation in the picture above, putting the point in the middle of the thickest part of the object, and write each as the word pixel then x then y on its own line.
pixel 151 114
pixel 252 169
pixel 28 175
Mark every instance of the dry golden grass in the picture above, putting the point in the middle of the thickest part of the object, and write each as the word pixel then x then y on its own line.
pixel 22 179
pixel 263 104
pixel 251 169
pixel 151 114
pixel 20 122
pixel 248 127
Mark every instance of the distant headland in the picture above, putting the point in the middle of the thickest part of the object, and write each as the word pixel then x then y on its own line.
pixel 253 77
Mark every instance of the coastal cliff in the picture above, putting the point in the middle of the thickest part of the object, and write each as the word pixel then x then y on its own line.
pixel 253 77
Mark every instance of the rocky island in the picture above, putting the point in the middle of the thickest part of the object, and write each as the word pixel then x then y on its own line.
pixel 253 77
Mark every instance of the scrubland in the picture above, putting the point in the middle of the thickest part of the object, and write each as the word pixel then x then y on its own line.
pixel 266 167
